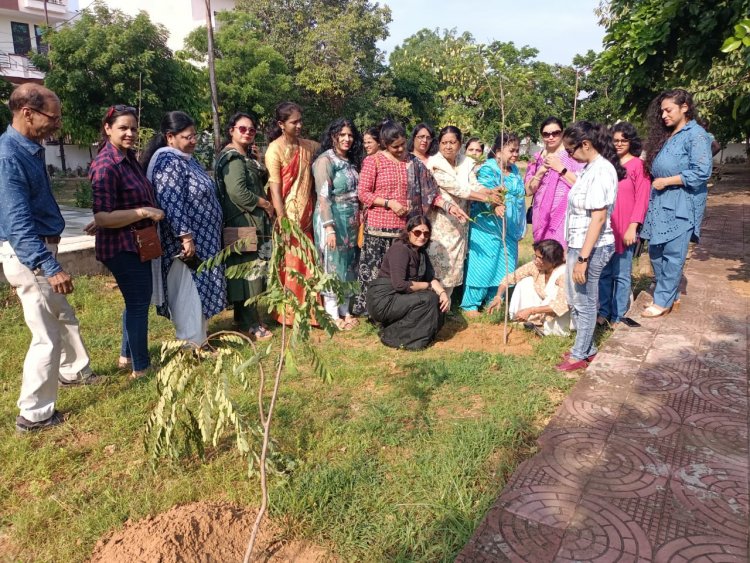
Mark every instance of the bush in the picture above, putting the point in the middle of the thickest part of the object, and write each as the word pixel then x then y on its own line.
pixel 84 196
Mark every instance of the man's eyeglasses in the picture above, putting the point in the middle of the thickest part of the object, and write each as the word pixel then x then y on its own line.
pixel 55 118
pixel 246 130
pixel 119 108
pixel 551 134
pixel 419 233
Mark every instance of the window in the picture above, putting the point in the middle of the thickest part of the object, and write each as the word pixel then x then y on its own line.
pixel 41 46
pixel 21 38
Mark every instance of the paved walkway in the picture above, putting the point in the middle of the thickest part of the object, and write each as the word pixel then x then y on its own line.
pixel 647 458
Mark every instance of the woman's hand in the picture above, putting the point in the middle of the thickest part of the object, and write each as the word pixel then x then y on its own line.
pixel 188 246
pixel 445 302
pixel 500 210
pixel 331 239
pixel 90 229
pixel 553 161
pixel 458 213
pixel 490 196
pixel 150 213
pixel 659 183
pixel 497 301
pixel 579 273
pixel 523 314
pixel 631 235
pixel 397 208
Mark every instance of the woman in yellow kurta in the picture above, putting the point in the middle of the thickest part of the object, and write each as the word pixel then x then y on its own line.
pixel 289 163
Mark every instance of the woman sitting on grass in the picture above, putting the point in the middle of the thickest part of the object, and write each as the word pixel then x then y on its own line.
pixel 406 298
pixel 539 296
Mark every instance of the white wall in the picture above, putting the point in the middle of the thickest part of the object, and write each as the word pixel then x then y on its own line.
pixel 75 156
pixel 731 150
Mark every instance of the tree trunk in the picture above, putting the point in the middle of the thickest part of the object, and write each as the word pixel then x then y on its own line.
pixel 212 79
pixel 62 153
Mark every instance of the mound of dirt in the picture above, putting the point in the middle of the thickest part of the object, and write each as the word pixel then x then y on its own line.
pixel 201 532
pixel 458 336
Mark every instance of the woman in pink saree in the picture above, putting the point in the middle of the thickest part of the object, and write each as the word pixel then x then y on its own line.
pixel 549 177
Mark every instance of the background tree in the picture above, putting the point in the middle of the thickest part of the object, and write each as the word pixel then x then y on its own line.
pixel 251 74
pixel 5 90
pixel 104 58
pixel 652 45
pixel 331 48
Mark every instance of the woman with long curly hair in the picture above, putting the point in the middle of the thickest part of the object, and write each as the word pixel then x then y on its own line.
pixel 589 235
pixel 336 215
pixel 678 155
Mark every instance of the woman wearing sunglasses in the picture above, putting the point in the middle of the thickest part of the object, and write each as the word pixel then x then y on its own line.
pixel 591 241
pixel 241 180
pixel 124 200
pixel 190 233
pixel 406 298
pixel 549 177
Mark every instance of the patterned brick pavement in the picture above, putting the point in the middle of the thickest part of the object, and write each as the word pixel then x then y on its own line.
pixel 647 458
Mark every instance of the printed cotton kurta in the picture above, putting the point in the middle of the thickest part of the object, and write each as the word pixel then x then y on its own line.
pixel 487 246
pixel 337 206
pixel 447 250
pixel 189 200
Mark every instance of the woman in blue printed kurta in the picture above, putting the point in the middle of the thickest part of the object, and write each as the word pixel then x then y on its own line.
pixel 679 158
pixel 487 245
pixel 336 215
pixel 190 232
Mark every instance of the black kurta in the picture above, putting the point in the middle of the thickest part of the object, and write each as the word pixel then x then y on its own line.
pixel 410 320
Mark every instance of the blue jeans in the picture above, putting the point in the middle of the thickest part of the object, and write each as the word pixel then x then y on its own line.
pixel 668 260
pixel 615 286
pixel 583 298
pixel 135 282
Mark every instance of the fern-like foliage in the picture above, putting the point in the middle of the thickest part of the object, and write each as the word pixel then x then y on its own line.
pixel 195 385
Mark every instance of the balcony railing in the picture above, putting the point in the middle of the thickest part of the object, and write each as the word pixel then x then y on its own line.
pixel 18 66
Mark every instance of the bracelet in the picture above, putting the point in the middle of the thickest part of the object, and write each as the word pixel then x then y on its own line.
pixel 387 201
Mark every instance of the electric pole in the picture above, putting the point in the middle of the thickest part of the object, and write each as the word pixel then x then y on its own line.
pixel 212 78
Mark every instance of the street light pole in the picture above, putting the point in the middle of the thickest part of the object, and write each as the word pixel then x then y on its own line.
pixel 212 78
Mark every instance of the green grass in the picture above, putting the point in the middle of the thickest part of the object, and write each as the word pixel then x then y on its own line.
pixel 397 460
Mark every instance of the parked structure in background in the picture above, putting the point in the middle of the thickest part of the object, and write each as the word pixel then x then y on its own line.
pixel 21 26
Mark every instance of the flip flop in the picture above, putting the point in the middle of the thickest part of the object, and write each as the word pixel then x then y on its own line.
pixel 654 311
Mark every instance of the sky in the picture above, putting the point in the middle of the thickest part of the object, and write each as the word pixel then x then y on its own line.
pixel 559 30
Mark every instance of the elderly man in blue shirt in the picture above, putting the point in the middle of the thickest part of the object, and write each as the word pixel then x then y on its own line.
pixel 30 227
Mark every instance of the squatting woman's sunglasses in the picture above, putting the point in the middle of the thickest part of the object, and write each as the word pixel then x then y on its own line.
pixel 419 233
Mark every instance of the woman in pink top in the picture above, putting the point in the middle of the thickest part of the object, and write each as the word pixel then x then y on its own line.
pixel 549 177
pixel 630 210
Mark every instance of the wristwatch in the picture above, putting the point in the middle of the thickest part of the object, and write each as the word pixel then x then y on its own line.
pixel 563 172
pixel 582 260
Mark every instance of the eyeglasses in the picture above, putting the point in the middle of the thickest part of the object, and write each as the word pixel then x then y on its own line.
pixel 571 150
pixel 419 233
pixel 246 130
pixel 54 118
pixel 119 108
pixel 551 134
pixel 424 137
pixel 189 138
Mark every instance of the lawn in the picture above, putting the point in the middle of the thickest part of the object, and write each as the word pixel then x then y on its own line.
pixel 398 459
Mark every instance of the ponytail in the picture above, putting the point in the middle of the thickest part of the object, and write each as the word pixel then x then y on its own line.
pixel 600 138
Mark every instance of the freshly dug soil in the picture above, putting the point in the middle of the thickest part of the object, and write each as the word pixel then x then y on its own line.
pixel 205 532
pixel 458 336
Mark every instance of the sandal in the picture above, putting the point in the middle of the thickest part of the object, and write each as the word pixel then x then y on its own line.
pixel 351 320
pixel 343 324
pixel 123 363
pixel 654 311
pixel 259 332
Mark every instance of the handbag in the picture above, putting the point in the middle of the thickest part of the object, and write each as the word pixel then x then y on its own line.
pixel 147 242
pixel 248 236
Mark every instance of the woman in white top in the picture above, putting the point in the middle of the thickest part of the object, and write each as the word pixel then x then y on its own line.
pixel 588 231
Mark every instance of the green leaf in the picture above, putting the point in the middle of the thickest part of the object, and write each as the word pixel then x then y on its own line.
pixel 730 45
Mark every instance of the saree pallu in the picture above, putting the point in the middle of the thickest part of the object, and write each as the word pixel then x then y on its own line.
pixel 297 194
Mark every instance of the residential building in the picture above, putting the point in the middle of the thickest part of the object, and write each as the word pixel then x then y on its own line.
pixel 21 25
